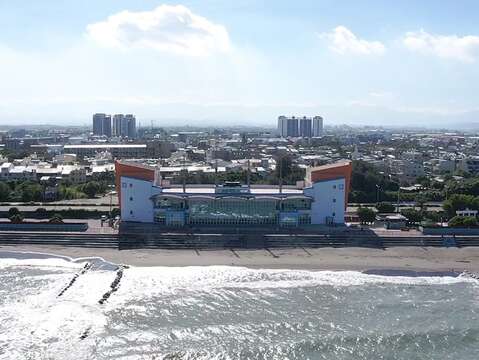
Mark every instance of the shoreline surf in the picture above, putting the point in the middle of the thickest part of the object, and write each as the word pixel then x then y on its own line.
pixel 34 258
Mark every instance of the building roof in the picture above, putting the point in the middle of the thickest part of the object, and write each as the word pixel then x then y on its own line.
pixel 135 164
pixel 206 190
pixel 106 146
pixel 331 166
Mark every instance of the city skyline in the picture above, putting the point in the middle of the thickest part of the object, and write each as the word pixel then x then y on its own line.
pixel 197 62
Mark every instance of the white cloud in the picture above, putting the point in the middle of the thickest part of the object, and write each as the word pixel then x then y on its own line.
pixel 166 28
pixel 344 41
pixel 464 48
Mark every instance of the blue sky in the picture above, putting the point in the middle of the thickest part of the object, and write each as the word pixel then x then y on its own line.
pixel 240 62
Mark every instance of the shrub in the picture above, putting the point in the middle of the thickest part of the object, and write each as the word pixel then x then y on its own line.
pixel 56 219
pixel 16 219
pixel 13 211
pixel 42 212
pixel 115 212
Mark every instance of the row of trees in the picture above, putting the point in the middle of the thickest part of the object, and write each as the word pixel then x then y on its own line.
pixel 368 215
pixel 367 183
pixel 460 202
pixel 463 221
pixel 27 191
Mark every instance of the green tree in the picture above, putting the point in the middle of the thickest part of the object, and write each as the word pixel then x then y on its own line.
pixel 4 192
pixel 460 202
pixel 385 207
pixel 366 215
pixel 283 166
pixel 435 216
pixel 69 193
pixel 456 221
pixel 32 192
pixel 91 188
pixel 470 221
pixel 364 179
pixel 413 216
pixel 424 181
pixel 421 200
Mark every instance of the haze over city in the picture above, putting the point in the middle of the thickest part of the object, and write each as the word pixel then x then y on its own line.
pixel 230 63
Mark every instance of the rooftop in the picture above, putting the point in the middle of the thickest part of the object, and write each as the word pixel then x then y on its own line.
pixel 210 190
pixel 105 146
pixel 331 166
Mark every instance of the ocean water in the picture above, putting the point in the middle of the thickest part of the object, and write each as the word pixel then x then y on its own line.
pixel 224 312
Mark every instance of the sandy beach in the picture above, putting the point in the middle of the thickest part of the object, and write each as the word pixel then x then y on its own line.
pixel 361 259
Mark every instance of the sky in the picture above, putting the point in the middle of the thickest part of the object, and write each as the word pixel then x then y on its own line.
pixel 221 62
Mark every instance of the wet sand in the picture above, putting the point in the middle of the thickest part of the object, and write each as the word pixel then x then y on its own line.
pixel 361 259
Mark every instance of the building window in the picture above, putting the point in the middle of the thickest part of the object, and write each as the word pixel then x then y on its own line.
pixel 123 185
pixel 131 212
pixel 334 214
pixel 334 186
pixel 131 198
pixel 341 187
pixel 334 200
pixel 131 185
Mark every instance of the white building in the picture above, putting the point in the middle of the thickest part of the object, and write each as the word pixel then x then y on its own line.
pixel 145 198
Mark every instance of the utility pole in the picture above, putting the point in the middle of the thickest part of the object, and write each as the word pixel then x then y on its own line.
pixel 399 190
pixel 248 175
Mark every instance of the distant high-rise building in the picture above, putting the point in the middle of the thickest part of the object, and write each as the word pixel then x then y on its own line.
pixel 317 126
pixel 117 124
pixel 305 127
pixel 124 125
pixel 288 126
pixel 102 125
pixel 300 127
pixel 131 125
pixel 282 126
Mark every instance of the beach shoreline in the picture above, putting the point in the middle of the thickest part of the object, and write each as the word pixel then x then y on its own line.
pixel 414 259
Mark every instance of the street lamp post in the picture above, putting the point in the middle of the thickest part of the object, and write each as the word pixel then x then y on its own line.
pixel 111 193
pixel 399 192
pixel 378 189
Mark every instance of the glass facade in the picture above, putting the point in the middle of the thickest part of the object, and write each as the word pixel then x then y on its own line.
pixel 174 210
pixel 232 211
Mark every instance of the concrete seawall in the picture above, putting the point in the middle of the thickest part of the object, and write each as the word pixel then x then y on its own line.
pixel 178 240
